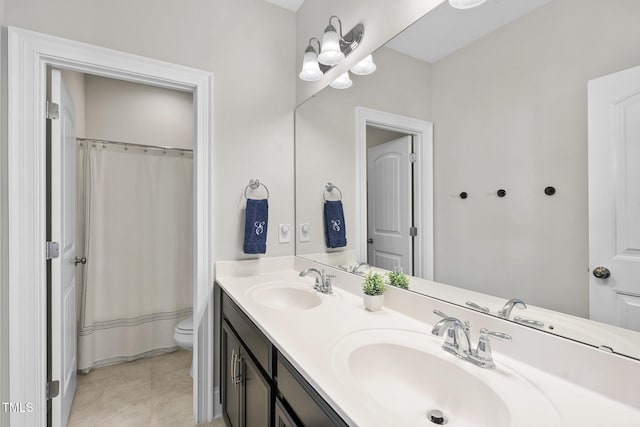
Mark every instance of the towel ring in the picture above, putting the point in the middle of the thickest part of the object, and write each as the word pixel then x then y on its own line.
pixel 328 188
pixel 254 184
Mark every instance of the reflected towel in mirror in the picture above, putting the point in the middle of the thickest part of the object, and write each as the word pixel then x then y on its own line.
pixel 334 227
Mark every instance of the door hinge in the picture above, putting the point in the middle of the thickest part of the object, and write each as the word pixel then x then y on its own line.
pixel 413 231
pixel 53 250
pixel 413 157
pixel 53 110
pixel 53 389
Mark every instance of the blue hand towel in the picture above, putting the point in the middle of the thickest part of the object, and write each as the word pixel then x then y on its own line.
pixel 335 233
pixel 255 227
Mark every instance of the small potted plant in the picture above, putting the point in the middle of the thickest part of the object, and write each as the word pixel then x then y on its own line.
pixel 373 289
pixel 398 279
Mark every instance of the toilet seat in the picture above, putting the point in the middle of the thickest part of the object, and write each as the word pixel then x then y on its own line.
pixel 183 334
pixel 185 327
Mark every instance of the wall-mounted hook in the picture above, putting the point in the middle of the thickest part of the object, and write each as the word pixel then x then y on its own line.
pixel 501 192
pixel 550 191
pixel 463 195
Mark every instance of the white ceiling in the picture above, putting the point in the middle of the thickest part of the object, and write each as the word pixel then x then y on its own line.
pixel 292 5
pixel 444 30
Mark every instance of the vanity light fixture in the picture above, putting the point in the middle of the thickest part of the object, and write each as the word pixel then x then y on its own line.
pixel 465 4
pixel 311 71
pixel 364 67
pixel 342 82
pixel 334 48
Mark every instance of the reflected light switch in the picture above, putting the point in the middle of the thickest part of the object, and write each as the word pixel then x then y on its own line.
pixel 305 232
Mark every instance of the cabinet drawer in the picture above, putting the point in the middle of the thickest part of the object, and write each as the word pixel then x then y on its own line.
pixel 251 337
pixel 307 405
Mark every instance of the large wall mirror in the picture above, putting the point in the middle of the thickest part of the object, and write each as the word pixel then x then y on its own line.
pixel 492 101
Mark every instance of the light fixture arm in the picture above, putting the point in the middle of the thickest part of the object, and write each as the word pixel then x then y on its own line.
pixel 339 25
pixel 340 28
pixel 310 47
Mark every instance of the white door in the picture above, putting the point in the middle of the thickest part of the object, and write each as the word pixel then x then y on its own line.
pixel 389 205
pixel 63 231
pixel 614 198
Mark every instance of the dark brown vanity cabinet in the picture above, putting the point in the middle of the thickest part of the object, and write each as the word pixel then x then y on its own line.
pixel 259 387
pixel 283 418
pixel 245 388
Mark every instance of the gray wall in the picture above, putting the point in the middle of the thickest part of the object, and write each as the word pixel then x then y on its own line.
pixel 377 136
pixel 325 135
pixel 253 106
pixel 510 111
pixel 141 114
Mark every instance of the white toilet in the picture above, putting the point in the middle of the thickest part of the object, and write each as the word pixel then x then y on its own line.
pixel 183 336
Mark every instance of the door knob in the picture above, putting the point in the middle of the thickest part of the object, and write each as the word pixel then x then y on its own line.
pixel 601 272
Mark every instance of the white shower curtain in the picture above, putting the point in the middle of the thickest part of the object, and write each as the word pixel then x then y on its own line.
pixel 137 210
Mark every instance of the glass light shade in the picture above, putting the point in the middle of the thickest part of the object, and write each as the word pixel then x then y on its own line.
pixel 364 67
pixel 310 69
pixel 342 82
pixel 330 53
pixel 465 4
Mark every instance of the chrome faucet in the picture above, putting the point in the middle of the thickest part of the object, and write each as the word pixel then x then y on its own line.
pixel 323 281
pixel 355 268
pixel 508 306
pixel 454 329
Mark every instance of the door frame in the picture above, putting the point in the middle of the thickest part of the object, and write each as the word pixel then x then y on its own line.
pixel 29 55
pixel 422 132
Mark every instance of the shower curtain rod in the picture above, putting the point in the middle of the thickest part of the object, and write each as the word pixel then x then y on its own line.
pixel 131 144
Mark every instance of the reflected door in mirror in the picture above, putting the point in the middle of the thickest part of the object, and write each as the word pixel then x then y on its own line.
pixel 390 205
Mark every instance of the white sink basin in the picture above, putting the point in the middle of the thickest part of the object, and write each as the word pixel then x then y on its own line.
pixel 285 296
pixel 409 374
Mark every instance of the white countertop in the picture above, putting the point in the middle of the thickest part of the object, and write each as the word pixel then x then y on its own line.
pixel 307 338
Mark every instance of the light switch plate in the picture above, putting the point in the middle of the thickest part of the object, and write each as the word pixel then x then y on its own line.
pixel 305 232
pixel 284 233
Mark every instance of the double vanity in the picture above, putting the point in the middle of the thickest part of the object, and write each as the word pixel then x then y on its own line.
pixel 293 355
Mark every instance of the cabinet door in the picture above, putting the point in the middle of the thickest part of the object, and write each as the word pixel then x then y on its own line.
pixel 257 397
pixel 283 418
pixel 231 388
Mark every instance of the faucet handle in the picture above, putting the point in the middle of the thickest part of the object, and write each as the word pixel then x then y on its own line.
pixel 483 355
pixel 500 335
pixel 441 314
pixel 477 307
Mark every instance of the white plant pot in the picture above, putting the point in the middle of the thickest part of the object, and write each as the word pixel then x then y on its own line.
pixel 373 302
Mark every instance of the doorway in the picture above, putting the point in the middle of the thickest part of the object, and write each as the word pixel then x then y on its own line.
pixel 129 253
pixel 30 54
pixel 390 200
pixel 419 211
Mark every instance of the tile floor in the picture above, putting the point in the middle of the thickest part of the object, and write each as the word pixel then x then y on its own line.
pixel 155 392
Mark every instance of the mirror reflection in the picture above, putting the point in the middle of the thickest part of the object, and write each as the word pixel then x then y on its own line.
pixel 494 203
